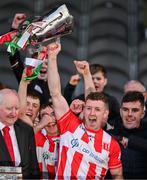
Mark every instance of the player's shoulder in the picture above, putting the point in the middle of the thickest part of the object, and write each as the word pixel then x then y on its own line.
pixel 40 139
pixel 113 141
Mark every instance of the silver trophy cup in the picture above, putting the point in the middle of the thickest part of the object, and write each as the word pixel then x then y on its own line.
pixel 56 24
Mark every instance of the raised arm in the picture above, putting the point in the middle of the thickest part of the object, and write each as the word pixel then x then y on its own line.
pixel 15 61
pixel 22 93
pixel 83 69
pixel 60 104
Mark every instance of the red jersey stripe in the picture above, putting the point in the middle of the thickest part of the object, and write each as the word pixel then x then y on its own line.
pixel 77 158
pixel 85 137
pixel 63 162
pixel 51 172
pixel 91 174
pixel 103 173
pixel 98 141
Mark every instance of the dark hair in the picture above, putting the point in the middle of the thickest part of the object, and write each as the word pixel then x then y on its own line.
pixel 94 68
pixel 46 104
pixel 98 96
pixel 34 94
pixel 133 96
pixel 35 55
pixel 2 86
pixel 43 106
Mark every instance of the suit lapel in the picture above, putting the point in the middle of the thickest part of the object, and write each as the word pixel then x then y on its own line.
pixel 4 154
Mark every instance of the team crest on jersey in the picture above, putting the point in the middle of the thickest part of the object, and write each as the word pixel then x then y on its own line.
pixel 106 146
pixel 74 143
pixel 47 156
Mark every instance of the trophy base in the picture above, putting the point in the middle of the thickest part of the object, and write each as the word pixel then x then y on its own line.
pixel 12 173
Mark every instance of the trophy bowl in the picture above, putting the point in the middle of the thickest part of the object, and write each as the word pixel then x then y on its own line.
pixel 56 24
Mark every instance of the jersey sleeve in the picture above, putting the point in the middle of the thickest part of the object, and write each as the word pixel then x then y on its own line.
pixel 115 155
pixel 39 139
pixel 68 122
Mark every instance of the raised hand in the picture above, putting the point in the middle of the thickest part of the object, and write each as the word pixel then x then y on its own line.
pixel 53 49
pixel 77 106
pixel 74 80
pixel 18 18
pixel 82 67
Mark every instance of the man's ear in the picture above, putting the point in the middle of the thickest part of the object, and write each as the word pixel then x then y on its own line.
pixel 143 113
pixel 106 81
pixel 145 96
pixel 120 110
pixel 106 115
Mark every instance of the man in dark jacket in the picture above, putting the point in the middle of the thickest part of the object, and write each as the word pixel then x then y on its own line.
pixel 132 135
pixel 21 137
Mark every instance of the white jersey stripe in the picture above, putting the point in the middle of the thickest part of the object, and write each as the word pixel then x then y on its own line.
pixel 67 169
pixel 84 166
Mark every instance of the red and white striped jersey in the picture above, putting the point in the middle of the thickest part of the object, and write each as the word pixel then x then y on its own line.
pixel 47 148
pixel 85 154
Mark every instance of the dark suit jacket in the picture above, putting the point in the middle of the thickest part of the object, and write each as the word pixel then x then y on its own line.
pixel 27 149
